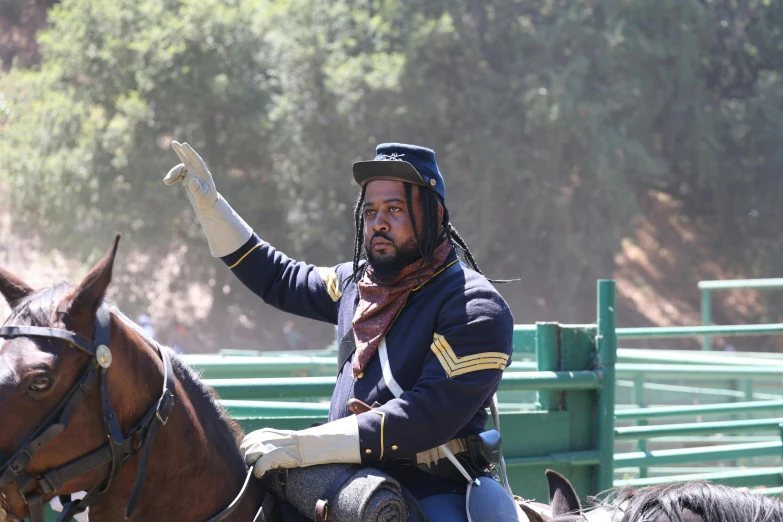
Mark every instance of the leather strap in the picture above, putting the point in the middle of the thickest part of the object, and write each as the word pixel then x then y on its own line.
pixel 120 448
pixel 265 511
pixel 322 506
pixel 54 479
pixel 356 406
pixel 155 418
pixel 35 505
pixel 456 446
pixel 413 504
pixel 74 339
pixel 71 508
pixel 235 503
pixel 54 424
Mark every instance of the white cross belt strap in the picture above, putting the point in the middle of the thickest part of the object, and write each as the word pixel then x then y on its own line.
pixel 395 388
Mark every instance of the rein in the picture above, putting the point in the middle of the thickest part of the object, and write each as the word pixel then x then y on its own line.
pixel 117 452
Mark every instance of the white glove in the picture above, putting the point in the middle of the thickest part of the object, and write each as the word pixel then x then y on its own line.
pixel 333 442
pixel 225 230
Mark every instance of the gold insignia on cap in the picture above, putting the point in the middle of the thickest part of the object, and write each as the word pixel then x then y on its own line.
pixel 331 281
pixel 454 365
pixel 433 182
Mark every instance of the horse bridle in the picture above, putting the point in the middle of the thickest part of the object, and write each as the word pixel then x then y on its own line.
pixel 117 452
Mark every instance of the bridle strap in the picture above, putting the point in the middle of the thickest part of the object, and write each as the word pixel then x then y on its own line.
pixel 74 339
pixel 264 511
pixel 235 503
pixel 15 466
pixel 35 505
pixel 120 448
pixel 152 422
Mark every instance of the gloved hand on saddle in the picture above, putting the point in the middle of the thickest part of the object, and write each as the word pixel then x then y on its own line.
pixel 225 230
pixel 333 442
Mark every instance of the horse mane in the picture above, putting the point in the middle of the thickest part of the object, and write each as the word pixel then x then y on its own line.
pixel 39 309
pixel 203 398
pixel 713 502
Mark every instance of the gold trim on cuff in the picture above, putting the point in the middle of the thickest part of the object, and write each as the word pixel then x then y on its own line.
pixel 246 254
pixel 383 427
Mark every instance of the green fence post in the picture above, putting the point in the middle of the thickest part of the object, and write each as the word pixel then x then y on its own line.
pixel 638 398
pixel 606 345
pixel 780 429
pixel 706 316
pixel 748 389
pixel 547 360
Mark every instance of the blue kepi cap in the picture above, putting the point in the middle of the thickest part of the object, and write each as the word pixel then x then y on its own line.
pixel 399 161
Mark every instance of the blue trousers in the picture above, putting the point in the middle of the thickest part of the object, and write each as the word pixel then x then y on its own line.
pixel 442 508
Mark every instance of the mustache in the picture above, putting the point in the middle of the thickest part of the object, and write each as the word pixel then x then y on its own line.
pixel 381 235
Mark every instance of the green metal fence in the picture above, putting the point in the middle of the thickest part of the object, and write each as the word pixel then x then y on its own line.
pixel 707 287
pixel 557 411
pixel 573 401
pixel 536 382
pixel 669 444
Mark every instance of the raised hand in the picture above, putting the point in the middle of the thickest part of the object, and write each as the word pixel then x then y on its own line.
pixel 194 174
pixel 224 229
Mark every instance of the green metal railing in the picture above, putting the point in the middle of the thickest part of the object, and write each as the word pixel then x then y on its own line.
pixel 538 347
pixel 681 332
pixel 573 414
pixel 321 387
pixel 271 365
pixel 703 409
pixel 707 287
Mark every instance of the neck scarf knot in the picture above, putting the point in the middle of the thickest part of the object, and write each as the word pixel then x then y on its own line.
pixel 379 304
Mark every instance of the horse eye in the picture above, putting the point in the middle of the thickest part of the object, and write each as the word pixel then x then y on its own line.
pixel 41 384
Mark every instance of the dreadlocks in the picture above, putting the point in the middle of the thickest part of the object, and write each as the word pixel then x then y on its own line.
pixel 434 231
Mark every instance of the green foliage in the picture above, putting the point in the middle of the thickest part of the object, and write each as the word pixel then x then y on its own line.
pixel 552 119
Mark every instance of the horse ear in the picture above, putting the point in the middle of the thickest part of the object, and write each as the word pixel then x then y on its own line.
pixel 562 497
pixel 531 514
pixel 88 296
pixel 13 288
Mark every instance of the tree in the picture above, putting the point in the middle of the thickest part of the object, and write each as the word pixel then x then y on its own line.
pixel 552 121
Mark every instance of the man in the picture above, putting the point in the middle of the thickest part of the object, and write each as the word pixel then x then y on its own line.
pixel 424 337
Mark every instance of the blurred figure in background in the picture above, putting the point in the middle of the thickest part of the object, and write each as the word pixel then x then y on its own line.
pixel 293 338
pixel 145 321
pixel 176 337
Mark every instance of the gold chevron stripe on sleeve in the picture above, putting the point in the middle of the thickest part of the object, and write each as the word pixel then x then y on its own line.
pixel 454 365
pixel 331 281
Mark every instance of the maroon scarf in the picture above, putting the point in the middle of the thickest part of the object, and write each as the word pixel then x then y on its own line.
pixel 380 304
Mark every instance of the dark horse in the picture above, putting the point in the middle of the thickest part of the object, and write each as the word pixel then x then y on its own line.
pixel 89 402
pixel 680 502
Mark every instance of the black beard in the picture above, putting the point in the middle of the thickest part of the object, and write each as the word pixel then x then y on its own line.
pixel 387 269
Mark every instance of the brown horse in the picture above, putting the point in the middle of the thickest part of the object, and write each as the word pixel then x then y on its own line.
pixel 74 373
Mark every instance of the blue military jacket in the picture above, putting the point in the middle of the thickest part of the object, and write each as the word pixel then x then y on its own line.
pixel 444 354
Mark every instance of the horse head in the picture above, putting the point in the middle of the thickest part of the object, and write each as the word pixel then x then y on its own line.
pixel 74 373
pixel 37 373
